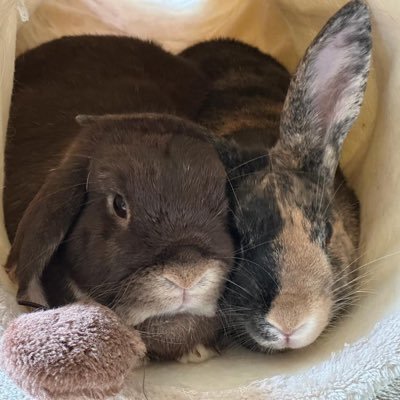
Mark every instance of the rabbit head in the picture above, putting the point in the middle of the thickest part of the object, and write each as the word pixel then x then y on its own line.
pixel 134 217
pixel 297 220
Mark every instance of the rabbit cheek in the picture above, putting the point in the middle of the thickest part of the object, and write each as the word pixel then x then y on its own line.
pixel 146 298
pixel 344 255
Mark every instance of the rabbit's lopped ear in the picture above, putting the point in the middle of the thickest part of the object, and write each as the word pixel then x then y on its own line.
pixel 85 119
pixel 326 92
pixel 46 222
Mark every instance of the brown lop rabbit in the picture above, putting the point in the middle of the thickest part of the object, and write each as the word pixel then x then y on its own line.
pixel 129 209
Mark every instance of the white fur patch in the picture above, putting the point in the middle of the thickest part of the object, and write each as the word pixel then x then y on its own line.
pixel 199 354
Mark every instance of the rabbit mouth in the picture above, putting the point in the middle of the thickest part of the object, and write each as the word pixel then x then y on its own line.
pixel 271 342
pixel 193 305
pixel 191 302
pixel 266 340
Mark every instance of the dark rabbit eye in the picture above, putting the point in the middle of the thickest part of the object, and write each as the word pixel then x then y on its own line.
pixel 328 232
pixel 120 206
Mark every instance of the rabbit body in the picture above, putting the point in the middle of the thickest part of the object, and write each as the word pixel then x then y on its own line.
pixel 128 209
pixel 296 220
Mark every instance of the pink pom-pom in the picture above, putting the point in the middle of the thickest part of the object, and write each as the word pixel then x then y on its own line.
pixel 77 351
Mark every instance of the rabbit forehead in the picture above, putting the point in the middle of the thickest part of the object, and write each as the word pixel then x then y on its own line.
pixel 153 162
pixel 294 190
pixel 304 208
pixel 155 185
pixel 277 200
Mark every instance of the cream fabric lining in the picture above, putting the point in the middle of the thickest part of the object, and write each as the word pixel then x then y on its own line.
pixel 283 28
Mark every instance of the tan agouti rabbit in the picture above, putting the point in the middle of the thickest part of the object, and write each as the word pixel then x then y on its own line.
pixel 297 221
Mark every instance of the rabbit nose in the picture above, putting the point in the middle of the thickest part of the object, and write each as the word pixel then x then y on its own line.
pixel 286 331
pixel 186 281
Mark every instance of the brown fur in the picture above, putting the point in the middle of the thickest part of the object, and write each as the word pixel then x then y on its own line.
pixel 62 181
pixel 163 335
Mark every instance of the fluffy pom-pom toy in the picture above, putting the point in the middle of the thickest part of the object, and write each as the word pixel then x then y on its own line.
pixel 77 351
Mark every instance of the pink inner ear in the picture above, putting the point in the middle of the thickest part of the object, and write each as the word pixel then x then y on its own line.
pixel 332 83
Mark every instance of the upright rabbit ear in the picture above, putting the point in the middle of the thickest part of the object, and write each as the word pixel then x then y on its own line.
pixel 326 92
pixel 45 223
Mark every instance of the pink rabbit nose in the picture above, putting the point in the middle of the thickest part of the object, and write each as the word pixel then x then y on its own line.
pixel 285 331
pixel 286 334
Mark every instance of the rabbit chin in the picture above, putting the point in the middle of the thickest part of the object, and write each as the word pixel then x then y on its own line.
pixel 134 316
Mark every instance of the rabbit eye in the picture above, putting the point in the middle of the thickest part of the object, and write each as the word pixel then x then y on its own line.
pixel 120 206
pixel 328 233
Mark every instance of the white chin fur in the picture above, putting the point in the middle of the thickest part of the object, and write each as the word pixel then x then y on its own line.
pixel 135 317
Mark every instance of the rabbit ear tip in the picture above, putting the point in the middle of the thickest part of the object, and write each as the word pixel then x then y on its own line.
pixel 31 293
